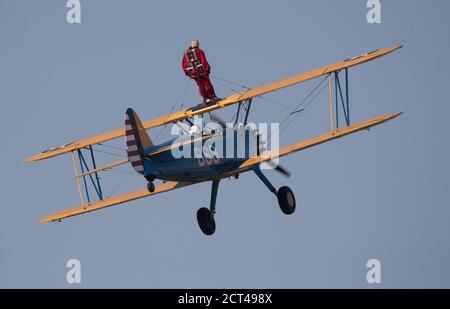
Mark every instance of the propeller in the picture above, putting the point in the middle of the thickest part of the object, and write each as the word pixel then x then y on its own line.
pixel 217 119
pixel 279 168
pixel 272 164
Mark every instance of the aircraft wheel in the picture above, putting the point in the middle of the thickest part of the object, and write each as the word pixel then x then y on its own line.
pixel 286 200
pixel 151 187
pixel 206 221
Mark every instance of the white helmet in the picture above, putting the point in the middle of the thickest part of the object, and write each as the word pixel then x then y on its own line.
pixel 195 43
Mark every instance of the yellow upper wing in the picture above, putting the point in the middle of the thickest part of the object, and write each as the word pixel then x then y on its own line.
pixel 233 99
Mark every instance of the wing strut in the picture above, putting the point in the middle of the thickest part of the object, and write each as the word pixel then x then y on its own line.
pixel 337 99
pixel 78 179
pixel 90 170
pixel 247 111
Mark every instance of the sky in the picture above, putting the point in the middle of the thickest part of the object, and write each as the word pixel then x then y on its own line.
pixel 379 194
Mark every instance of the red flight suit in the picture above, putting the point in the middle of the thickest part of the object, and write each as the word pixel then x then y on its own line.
pixel 197 67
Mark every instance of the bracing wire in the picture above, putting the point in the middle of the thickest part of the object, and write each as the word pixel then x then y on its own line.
pixel 112 147
pixel 299 106
pixel 230 82
pixel 163 129
pixel 312 95
pixel 299 109
pixel 296 114
pixel 248 88
pixel 186 93
pixel 110 153
pixel 121 180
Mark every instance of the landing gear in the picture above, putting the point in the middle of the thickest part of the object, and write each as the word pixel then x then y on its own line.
pixel 286 200
pixel 206 221
pixel 151 187
pixel 285 196
pixel 205 216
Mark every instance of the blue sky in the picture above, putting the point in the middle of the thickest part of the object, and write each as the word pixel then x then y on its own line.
pixel 379 194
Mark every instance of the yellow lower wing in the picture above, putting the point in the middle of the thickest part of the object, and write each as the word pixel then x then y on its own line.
pixel 113 201
pixel 317 140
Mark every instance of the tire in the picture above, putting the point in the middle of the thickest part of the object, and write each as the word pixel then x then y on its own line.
pixel 206 221
pixel 286 200
pixel 151 187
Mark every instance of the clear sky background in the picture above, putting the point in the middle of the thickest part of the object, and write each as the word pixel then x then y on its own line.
pixel 380 194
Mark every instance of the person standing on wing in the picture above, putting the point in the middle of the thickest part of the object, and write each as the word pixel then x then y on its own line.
pixel 196 66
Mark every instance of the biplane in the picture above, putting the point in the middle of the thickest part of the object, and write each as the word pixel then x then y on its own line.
pixel 156 163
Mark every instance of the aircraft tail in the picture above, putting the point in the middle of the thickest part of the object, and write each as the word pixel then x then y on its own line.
pixel 137 140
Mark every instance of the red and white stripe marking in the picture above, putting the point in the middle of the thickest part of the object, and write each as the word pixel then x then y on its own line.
pixel 132 149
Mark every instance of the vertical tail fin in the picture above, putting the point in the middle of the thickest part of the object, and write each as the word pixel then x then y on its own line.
pixel 137 140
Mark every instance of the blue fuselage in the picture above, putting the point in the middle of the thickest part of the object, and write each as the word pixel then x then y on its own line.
pixel 204 158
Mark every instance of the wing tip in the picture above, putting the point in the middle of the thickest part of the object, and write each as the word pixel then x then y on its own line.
pixel 30 159
pixel 43 220
pixel 395 115
pixel 51 218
